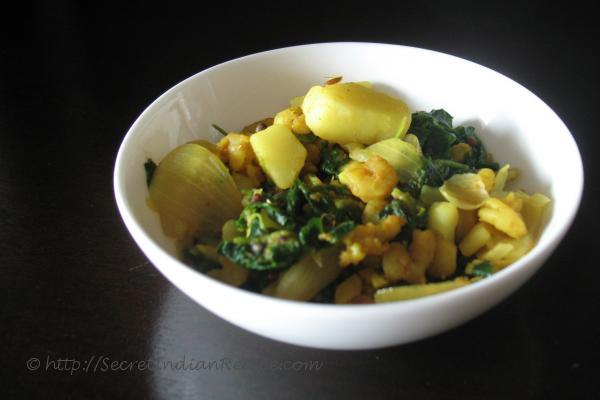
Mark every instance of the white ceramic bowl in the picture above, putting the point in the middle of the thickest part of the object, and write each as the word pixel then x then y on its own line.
pixel 515 125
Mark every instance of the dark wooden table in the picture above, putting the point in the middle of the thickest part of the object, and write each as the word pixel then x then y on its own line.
pixel 76 288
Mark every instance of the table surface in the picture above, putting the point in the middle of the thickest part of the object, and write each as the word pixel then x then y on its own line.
pixel 76 288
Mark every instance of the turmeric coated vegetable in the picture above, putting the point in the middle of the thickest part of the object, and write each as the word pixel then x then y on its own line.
pixel 345 197
pixel 372 180
pixel 351 112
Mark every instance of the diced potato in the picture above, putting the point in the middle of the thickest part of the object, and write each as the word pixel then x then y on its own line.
pixel 348 289
pixel 372 210
pixel 415 291
pixel 503 218
pixel 533 210
pixel 443 264
pixel 443 218
pixel 477 237
pixel 397 264
pixel 466 221
pixel 497 252
pixel 488 176
pixel 279 153
pixel 349 112
pixel 422 251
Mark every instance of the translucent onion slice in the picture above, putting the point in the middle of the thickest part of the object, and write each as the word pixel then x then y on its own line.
pixel 465 191
pixel 193 192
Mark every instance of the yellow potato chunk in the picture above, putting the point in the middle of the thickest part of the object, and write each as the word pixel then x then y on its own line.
pixel 350 112
pixel 397 264
pixel 372 210
pixel 477 237
pixel 422 252
pixel 444 260
pixel 443 218
pixel 503 218
pixel 533 210
pixel 348 289
pixel 279 153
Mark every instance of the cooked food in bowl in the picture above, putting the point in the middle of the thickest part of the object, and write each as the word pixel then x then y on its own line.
pixel 345 197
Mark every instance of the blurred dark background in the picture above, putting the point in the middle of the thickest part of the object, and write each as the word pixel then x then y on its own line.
pixel 74 77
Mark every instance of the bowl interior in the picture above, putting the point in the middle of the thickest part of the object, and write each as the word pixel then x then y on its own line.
pixel 515 125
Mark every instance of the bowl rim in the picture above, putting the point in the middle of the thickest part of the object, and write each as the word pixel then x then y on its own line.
pixel 147 245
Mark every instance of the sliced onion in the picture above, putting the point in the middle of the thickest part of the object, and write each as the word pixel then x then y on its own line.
pixel 193 192
pixel 465 191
